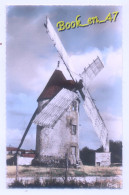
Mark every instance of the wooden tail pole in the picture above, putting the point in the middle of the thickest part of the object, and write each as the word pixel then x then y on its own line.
pixel 26 131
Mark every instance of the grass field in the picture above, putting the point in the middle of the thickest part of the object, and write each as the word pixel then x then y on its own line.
pixel 85 177
pixel 30 171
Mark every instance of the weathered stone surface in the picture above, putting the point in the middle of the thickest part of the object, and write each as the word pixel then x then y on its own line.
pixel 50 161
pixel 53 144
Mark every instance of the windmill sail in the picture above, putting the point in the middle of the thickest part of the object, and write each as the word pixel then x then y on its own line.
pixel 96 120
pixel 58 44
pixel 88 74
pixel 56 107
pixel 91 71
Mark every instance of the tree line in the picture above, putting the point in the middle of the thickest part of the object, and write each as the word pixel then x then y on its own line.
pixel 88 155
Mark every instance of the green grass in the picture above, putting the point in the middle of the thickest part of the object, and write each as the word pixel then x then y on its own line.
pixel 30 171
pixel 78 173
pixel 52 173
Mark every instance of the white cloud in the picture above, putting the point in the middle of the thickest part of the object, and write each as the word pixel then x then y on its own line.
pixel 112 65
pixel 112 69
pixel 89 138
pixel 28 54
pixel 114 126
pixel 79 62
pixel 31 60
pixel 30 51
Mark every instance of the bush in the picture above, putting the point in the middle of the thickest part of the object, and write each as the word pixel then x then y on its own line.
pixel 53 183
pixel 17 184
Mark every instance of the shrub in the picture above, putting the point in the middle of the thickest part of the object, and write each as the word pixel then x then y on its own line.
pixel 17 184
pixel 53 183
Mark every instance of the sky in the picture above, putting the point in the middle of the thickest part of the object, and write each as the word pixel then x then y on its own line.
pixel 31 59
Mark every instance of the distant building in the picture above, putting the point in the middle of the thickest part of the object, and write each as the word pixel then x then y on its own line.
pixel 12 150
pixel 103 159
pixel 24 157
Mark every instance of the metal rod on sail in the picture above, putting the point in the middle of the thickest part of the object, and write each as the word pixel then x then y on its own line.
pixel 67 67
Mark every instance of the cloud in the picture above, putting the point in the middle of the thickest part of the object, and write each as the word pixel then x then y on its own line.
pixel 98 35
pixel 25 11
pixel 28 51
pixel 114 125
pixel 31 59
pixel 112 61
pixel 29 47
pixel 88 136
pixel 81 61
pixel 112 68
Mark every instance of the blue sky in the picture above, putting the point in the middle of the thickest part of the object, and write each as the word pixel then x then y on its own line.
pixel 31 59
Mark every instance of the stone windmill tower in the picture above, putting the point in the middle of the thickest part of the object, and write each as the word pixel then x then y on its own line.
pixel 57 134
pixel 57 114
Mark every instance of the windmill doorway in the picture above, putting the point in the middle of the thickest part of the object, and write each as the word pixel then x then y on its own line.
pixel 73 154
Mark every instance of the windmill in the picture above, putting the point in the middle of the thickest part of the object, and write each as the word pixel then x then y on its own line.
pixel 52 108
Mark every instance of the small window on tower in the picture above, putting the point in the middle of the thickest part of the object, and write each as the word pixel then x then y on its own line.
pixel 74 106
pixel 74 130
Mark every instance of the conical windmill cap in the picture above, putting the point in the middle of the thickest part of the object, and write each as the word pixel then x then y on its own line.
pixel 56 82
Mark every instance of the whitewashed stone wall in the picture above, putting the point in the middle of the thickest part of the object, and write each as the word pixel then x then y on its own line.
pixel 56 142
pixel 102 159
